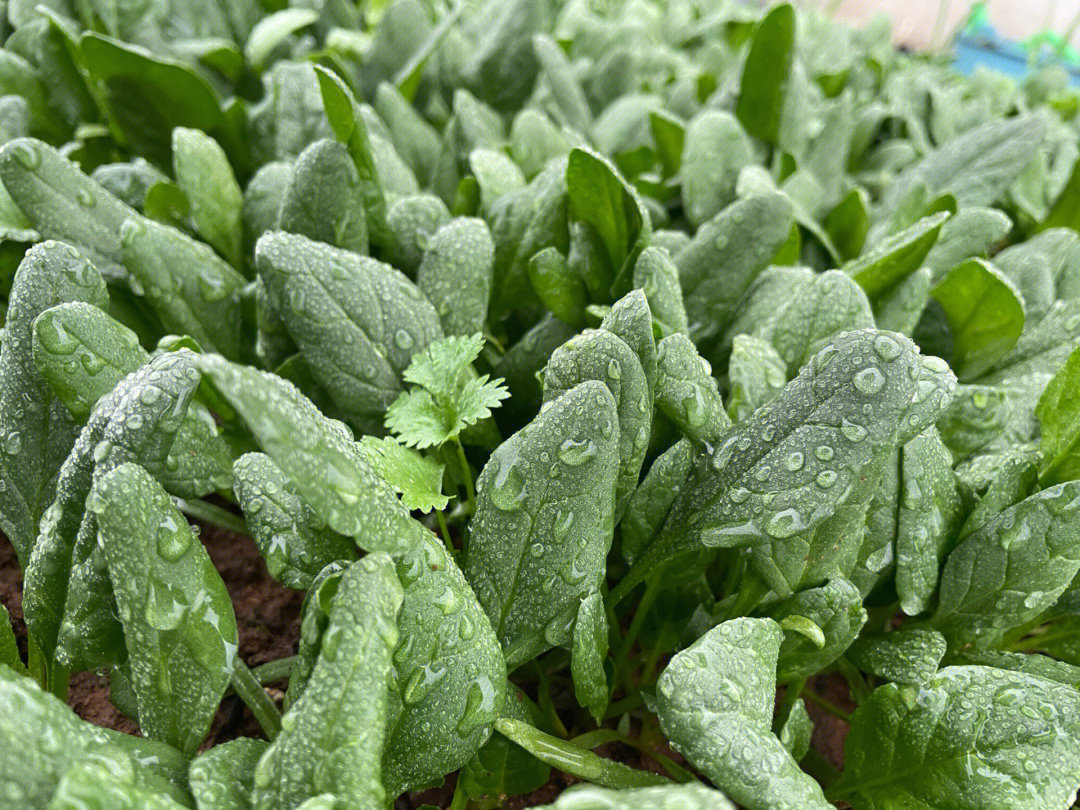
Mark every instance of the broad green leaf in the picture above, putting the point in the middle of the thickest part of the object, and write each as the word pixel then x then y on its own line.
pixel 522 361
pixel 630 320
pixel 602 356
pixel 192 290
pixel 449 679
pixel 590 797
pixel 147 95
pixel 958 741
pixel 1058 412
pixel 897 256
pixel 1011 569
pixel 1041 666
pixel 416 477
pixel 321 201
pixel 847 224
pixel 564 88
pixel 929 515
pixel 588 651
pixel 496 174
pixel 977 415
pixel 686 392
pixel 598 195
pixel 291 115
pixel 37 430
pixel 274 30
pixel 9 650
pixel 221 776
pixel 109 781
pixel 206 178
pixel 317 454
pixel 764 84
pixel 902 656
pixel 178 621
pixel 314 619
pixel 501 767
pixel 543 523
pixel 559 287
pixel 293 540
pixel 836 608
pixel 756 374
pixel 901 308
pixel 1014 480
pixel 658 277
pixel 43 739
pixel 977 166
pixel 332 737
pixel 715 704
pixel 413 137
pixel 357 321
pixel 410 224
pixel 716 151
pixel 783 472
pixel 649 505
pixel 199 461
pixel 63 203
pixel 985 314
pixel 68 595
pixel 796 731
pixel 456 274
pixel 743 239
pixel 970 232
pixel 1045 269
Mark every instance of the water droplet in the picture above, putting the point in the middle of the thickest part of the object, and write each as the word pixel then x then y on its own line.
pixel 694 408
pixel 92 363
pixel 403 340
pixel 508 487
pixel 793 461
pixel 479 706
pixel 824 452
pixel 869 381
pixel 886 348
pixel 614 370
pixel 165 605
pixel 851 431
pixel 85 198
pixel 826 478
pixel 173 541
pixel 784 524
pixel 13 443
pixel 27 156
pixel 740 494
pixel 574 452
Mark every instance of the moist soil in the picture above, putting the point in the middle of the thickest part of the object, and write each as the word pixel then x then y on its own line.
pixel 268 619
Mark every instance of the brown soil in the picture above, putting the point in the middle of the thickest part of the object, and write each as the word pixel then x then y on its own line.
pixel 268 618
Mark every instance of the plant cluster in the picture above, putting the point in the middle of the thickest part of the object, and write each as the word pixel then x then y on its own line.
pixel 609 375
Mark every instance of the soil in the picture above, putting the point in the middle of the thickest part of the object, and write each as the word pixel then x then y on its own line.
pixel 268 619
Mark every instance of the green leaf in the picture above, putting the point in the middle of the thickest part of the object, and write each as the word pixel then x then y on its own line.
pixel 784 471
pixel 37 430
pixel 192 290
pixel 630 320
pixel 456 274
pixel 414 138
pixel 590 797
pixel 501 767
pixel 357 321
pixel 743 238
pixel 658 277
pixel 715 701
pixel 221 777
pixel 63 203
pixel 985 314
pixel 929 514
pixel 293 540
pixel 601 355
pixel 796 731
pixel 417 478
pixel 967 233
pixel 836 608
pixel 686 392
pixel 317 454
pixel 756 374
pixel 649 505
pixel 178 620
pixel 897 256
pixel 765 75
pixel 901 308
pixel 42 739
pixel 558 286
pixel 9 650
pixel 848 223
pixel 199 462
pixel 588 652
pixel 321 201
pixel 1011 569
pixel 274 30
pixel 206 178
pixel 569 98
pixel 598 195
pixel 109 781
pixel 552 481
pixel 902 656
pixel 452 396
pixel 914 746
pixel 332 737
pixel 716 150
pixel 1058 412
pixel 449 672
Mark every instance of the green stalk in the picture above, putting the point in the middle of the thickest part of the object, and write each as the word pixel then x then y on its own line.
pixel 210 513
pixel 274 670
pixel 466 473
pixel 444 531
pixel 249 690
pixel 571 759
pixel 831 708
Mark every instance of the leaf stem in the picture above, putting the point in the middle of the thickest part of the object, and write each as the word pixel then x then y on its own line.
pixel 466 473
pixel 622 659
pixel 461 796
pixel 274 670
pixel 860 690
pixel 444 531
pixel 571 759
pixel 249 690
pixel 210 513
pixel 829 707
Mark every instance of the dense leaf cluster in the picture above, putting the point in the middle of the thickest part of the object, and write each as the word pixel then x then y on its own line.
pixel 604 373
